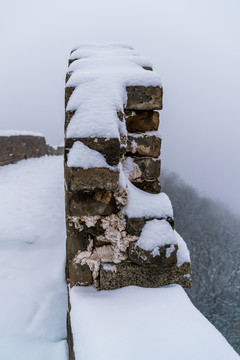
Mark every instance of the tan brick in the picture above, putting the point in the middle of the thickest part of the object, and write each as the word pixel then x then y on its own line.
pixel 144 145
pixel 144 98
pixel 141 121
pixel 150 168
pixel 79 179
pixel 150 186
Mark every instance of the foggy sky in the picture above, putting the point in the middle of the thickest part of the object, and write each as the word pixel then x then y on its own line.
pixel 194 46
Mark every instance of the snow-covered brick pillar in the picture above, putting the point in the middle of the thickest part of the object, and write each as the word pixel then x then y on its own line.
pixel 120 227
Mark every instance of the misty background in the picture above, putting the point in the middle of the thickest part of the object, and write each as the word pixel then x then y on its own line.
pixel 194 46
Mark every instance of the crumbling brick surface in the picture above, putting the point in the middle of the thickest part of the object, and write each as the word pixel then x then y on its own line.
pixel 126 274
pixel 102 241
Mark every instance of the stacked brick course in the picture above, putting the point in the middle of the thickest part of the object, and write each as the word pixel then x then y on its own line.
pixel 106 246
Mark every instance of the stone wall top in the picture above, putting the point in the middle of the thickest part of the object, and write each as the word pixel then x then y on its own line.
pixel 102 80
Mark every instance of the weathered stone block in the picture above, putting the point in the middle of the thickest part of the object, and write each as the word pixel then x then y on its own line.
pixel 110 148
pixel 134 225
pixel 144 145
pixel 150 186
pixel 126 274
pixel 167 256
pixel 79 179
pixel 77 238
pixel 150 168
pixel 141 121
pixel 96 203
pixel 16 148
pixel 79 274
pixel 144 98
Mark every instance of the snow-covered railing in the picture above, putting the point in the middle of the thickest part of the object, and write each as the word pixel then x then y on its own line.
pixel 120 227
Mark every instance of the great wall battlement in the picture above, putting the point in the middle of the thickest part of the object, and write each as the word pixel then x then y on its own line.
pixel 17 145
pixel 120 226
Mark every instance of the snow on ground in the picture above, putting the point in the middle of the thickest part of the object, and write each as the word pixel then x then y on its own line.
pixel 129 323
pixel 143 324
pixel 33 298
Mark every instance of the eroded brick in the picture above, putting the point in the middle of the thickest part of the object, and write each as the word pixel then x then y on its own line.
pixel 144 145
pixel 141 121
pixel 144 98
pixel 79 179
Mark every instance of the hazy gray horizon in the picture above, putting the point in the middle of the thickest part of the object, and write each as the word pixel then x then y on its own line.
pixel 194 46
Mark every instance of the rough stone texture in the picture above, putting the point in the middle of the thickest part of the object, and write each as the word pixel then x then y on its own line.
pixel 16 148
pixel 142 257
pixel 77 238
pixel 79 274
pixel 68 92
pixel 150 168
pixel 141 121
pixel 144 146
pixel 126 274
pixel 110 148
pixel 134 225
pixel 144 98
pixel 92 179
pixel 101 240
pixel 150 186
pixel 94 203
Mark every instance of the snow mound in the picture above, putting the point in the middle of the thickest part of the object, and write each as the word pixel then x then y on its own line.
pixel 33 296
pixel 156 233
pixel 142 323
pixel 143 204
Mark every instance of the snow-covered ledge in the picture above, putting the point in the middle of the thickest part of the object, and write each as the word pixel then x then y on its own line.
pixel 16 145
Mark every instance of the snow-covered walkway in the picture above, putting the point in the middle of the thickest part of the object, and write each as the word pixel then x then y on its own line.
pixel 135 323
pixel 33 298
pixel 130 323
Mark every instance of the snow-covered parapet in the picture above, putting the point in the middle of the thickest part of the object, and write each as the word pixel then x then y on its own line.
pixel 120 227
pixel 16 145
